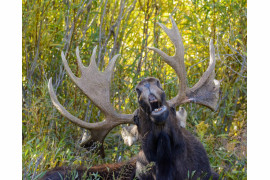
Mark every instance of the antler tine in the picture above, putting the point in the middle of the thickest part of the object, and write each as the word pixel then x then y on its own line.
pixel 175 37
pixel 206 90
pixel 71 75
pixel 109 69
pixel 210 70
pixel 93 63
pixel 177 60
pixel 80 64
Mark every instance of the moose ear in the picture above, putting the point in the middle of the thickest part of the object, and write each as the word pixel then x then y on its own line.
pixel 158 84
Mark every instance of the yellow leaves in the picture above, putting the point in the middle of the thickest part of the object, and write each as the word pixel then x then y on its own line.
pixel 188 63
pixel 166 14
pixel 231 146
pixel 54 163
pixel 77 162
pixel 210 140
pixel 241 42
pixel 202 129
pixel 60 163
pixel 57 45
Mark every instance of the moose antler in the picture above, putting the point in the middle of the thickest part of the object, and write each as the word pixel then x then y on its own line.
pixel 205 91
pixel 96 86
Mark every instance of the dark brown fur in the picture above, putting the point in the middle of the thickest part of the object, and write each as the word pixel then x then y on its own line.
pixel 185 154
pixel 175 152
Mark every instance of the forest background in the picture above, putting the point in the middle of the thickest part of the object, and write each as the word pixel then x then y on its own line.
pixel 128 27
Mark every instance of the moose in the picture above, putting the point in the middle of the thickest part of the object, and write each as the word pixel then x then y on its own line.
pixel 168 151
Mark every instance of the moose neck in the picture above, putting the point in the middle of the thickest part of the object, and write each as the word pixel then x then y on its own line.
pixel 157 129
pixel 160 140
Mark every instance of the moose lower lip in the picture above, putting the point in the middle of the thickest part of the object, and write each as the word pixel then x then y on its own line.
pixel 159 117
pixel 159 110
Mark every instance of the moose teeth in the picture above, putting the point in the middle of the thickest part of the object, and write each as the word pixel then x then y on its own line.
pixel 157 109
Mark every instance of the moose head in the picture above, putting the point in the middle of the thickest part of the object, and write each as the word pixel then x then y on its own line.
pixel 151 97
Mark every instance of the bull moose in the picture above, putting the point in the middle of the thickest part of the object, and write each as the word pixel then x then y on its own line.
pixel 168 151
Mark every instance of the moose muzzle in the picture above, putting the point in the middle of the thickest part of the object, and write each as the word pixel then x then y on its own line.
pixel 159 112
pixel 152 100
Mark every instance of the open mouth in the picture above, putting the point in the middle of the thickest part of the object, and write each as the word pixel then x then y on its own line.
pixel 159 112
pixel 156 106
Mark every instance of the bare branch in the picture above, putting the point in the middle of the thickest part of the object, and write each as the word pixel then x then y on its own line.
pixel 100 31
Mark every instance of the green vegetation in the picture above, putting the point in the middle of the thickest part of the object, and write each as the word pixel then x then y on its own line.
pixel 128 27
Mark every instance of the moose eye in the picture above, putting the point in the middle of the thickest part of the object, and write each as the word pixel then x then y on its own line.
pixel 138 91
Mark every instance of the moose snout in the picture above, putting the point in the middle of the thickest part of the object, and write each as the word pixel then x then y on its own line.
pixel 152 98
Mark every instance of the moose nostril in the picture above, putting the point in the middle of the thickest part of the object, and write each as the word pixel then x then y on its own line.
pixel 152 97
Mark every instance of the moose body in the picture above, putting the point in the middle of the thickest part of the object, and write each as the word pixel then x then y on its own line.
pixel 175 152
pixel 168 151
